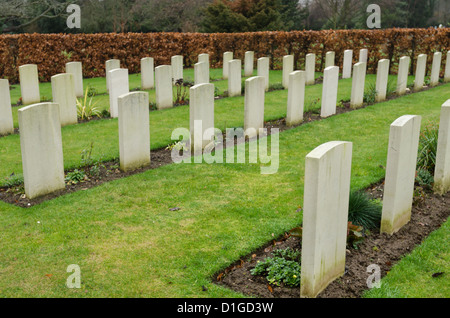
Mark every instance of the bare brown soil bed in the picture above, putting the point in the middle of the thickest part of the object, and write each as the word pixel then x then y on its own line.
pixel 429 212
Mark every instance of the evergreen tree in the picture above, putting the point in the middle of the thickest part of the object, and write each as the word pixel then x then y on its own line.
pixel 218 17
pixel 253 15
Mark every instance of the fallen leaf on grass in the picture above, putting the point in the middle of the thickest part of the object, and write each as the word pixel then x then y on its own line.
pixel 437 274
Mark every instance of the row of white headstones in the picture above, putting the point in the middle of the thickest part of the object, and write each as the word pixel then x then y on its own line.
pixel 327 168
pixel 66 87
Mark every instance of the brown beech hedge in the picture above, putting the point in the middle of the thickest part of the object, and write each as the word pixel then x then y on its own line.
pixel 51 51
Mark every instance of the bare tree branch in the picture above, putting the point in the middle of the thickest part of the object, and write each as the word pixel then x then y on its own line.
pixel 22 13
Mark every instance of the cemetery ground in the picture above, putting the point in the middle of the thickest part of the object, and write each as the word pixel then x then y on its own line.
pixel 170 231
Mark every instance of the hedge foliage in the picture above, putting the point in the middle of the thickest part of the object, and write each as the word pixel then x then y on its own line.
pixel 51 51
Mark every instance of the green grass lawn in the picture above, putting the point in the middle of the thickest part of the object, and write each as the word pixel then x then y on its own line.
pixel 129 243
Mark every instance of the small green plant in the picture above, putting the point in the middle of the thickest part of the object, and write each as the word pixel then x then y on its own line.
pixel 289 254
pixel 91 166
pixel 391 87
pixel 91 91
pixel 216 91
pixel 152 106
pixel 313 106
pixel 424 178
pixel 86 156
pixel 276 87
pixel 364 211
pixel 283 268
pixel 75 176
pixel 13 180
pixel 370 93
pixel 86 109
pixel 340 104
pixel 178 145
pixel 182 91
pixel 428 138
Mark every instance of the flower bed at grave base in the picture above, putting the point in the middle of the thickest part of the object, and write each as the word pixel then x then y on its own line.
pixel 51 51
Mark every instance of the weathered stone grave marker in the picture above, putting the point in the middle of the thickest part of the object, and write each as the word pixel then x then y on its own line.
pixel 325 215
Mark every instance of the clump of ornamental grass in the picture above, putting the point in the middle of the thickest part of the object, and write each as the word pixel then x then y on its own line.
pixel 364 211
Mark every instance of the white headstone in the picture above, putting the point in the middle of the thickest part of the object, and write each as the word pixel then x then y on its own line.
pixel 254 105
pixel 310 68
pixel 76 69
pixel 201 115
pixel 329 91
pixel 118 86
pixel 400 173
pixel 329 59
pixel 382 79
pixel 227 56
pixel 402 75
pixel 325 216
pixel 249 63
pixel 201 73
pixel 6 118
pixel 447 68
pixel 163 87
pixel 358 84
pixel 442 168
pixel 63 92
pixel 109 66
pixel 134 130
pixel 147 73
pixel 29 84
pixel 435 69
pixel 263 66
pixel 234 78
pixel 420 72
pixel 348 63
pixel 204 57
pixel 296 98
pixel 363 55
pixel 177 67
pixel 41 146
pixel 288 68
